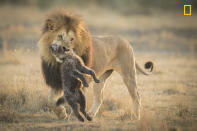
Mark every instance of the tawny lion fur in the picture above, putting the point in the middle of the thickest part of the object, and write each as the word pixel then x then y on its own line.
pixel 106 53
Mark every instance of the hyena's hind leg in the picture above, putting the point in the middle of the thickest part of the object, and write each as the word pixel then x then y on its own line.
pixel 74 105
pixel 82 103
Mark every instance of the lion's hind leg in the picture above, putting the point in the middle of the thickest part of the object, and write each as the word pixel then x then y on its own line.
pixel 125 66
pixel 130 82
pixel 60 111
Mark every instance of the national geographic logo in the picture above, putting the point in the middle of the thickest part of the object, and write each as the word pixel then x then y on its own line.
pixel 188 7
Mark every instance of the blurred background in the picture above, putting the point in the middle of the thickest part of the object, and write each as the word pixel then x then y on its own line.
pixel 157 25
pixel 157 30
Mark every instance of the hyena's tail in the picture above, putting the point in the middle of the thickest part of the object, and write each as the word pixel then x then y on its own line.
pixel 147 65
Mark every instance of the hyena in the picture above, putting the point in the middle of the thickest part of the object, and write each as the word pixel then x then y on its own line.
pixel 72 68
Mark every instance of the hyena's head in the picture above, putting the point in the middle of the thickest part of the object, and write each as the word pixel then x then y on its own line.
pixel 59 52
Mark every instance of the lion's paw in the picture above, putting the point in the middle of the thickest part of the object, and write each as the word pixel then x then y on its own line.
pixel 61 113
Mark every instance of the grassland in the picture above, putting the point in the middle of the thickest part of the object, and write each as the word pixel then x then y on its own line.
pixel 168 96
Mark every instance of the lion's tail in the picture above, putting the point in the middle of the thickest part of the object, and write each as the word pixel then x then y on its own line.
pixel 147 65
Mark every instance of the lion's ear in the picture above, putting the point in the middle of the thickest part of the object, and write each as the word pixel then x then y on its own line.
pixel 50 25
pixel 83 29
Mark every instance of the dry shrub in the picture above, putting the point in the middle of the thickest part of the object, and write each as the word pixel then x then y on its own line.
pixel 178 89
pixel 111 104
pixel 7 115
pixel 24 96
pixel 171 91
pixel 183 111
pixel 125 116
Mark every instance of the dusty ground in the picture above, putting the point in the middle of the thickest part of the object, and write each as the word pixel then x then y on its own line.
pixel 168 96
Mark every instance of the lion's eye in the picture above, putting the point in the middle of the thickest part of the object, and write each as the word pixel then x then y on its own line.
pixel 71 39
pixel 60 37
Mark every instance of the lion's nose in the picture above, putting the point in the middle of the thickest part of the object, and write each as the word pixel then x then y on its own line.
pixel 66 49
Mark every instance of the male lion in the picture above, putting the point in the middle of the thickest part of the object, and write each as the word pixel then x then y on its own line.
pixel 104 54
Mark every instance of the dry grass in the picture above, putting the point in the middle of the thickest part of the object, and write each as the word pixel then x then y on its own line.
pixel 168 96
pixel 167 103
pixel 10 57
pixel 7 116
pixel 20 85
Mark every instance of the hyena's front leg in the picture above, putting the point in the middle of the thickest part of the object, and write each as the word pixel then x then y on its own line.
pixel 79 75
pixel 60 111
pixel 74 105
pixel 89 71
pixel 82 102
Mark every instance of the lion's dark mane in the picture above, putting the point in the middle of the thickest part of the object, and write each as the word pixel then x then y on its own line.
pixel 52 76
pixel 63 19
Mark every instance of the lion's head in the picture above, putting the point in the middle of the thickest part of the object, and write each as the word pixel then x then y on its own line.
pixel 72 30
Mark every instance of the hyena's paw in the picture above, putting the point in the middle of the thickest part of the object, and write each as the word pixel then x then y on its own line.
pixel 81 119
pixel 97 80
pixel 85 84
pixel 89 118
pixel 61 113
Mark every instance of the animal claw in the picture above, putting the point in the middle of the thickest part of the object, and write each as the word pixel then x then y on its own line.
pixel 97 81
pixel 86 85
pixel 89 118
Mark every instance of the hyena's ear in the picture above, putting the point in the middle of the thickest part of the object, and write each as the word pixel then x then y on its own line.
pixel 50 25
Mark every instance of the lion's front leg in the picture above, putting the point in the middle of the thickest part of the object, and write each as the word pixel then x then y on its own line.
pixel 98 93
pixel 60 111
pixel 98 98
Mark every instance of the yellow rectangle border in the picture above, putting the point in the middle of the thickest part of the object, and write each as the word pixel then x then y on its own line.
pixel 190 12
